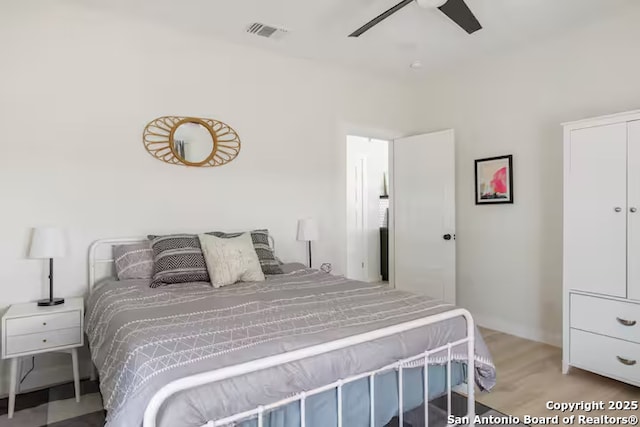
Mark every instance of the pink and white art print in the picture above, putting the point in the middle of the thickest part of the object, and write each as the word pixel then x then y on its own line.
pixel 494 180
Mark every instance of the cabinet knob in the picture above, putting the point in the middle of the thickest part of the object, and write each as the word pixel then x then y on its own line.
pixel 626 361
pixel 633 210
pixel 44 323
pixel 617 209
pixel 44 340
pixel 626 322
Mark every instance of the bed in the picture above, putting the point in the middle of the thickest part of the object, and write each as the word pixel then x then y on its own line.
pixel 304 348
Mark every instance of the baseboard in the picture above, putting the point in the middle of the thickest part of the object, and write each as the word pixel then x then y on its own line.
pixel 511 328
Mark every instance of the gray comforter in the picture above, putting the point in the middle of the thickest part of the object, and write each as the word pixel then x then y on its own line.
pixel 143 338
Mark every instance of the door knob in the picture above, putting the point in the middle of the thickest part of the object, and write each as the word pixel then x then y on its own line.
pixel 633 210
pixel 617 209
pixel 447 237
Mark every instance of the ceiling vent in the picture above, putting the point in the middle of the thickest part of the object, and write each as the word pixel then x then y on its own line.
pixel 266 31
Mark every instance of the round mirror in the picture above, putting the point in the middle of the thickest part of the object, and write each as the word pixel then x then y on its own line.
pixel 192 142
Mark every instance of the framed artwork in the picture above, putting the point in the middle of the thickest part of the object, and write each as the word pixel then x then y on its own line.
pixel 494 180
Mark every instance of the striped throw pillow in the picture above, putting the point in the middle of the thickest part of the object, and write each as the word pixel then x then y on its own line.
pixel 177 258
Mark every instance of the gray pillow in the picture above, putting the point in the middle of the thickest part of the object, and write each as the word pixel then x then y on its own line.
pixel 133 261
pixel 260 239
pixel 177 258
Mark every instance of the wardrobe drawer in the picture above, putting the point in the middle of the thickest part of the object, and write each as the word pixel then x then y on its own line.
pixel 43 341
pixel 607 317
pixel 607 356
pixel 43 323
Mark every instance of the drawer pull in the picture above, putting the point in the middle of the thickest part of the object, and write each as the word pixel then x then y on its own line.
pixel 626 322
pixel 626 361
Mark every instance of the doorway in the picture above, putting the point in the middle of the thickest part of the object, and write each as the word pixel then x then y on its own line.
pixel 401 212
pixel 367 209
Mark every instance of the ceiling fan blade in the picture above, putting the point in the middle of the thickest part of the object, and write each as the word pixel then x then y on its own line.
pixel 459 12
pixel 378 19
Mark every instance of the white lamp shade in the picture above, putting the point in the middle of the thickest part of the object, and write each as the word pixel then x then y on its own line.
pixel 47 242
pixel 307 230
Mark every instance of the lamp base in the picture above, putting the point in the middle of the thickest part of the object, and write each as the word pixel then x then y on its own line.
pixel 49 302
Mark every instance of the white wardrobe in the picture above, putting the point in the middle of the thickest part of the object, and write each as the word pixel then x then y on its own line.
pixel 602 246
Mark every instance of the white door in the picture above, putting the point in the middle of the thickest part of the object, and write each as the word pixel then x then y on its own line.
pixel 356 227
pixel 633 215
pixel 596 232
pixel 423 215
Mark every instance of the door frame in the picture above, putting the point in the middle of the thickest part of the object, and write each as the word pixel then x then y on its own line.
pixel 346 129
pixel 361 162
pixel 392 217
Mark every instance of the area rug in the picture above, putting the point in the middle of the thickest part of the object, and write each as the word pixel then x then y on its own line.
pixel 57 407
pixel 438 415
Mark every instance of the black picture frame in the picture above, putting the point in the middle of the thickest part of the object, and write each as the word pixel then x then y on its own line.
pixel 497 197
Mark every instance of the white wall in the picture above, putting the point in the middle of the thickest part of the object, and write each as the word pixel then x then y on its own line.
pixel 510 257
pixel 77 87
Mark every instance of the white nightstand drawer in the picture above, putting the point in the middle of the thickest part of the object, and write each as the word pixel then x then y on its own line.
pixel 43 341
pixel 617 319
pixel 43 323
pixel 607 356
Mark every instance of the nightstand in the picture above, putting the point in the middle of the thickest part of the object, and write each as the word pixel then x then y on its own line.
pixel 28 329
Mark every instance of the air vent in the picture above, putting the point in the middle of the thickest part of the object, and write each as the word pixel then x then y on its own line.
pixel 266 31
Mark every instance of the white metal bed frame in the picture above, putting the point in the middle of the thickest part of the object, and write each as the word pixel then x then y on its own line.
pixel 96 259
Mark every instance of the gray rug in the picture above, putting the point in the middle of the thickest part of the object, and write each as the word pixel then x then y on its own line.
pixel 56 407
pixel 438 415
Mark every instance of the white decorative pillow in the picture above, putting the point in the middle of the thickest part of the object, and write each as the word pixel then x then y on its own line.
pixel 231 260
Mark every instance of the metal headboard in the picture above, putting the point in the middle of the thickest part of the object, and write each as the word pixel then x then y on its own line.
pixel 101 262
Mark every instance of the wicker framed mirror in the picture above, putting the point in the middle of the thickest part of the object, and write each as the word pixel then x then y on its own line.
pixel 191 141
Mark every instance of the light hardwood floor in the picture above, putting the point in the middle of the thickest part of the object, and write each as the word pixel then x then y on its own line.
pixel 530 374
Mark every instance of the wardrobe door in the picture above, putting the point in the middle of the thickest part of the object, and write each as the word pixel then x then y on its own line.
pixel 595 220
pixel 633 215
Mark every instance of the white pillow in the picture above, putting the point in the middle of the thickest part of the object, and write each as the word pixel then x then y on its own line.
pixel 231 260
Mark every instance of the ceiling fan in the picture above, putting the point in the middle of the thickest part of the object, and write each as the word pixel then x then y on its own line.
pixel 456 10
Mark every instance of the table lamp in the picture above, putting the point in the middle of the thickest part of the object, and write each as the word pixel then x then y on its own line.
pixel 307 232
pixel 48 243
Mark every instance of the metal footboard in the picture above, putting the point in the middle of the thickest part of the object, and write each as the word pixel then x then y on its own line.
pixel 186 383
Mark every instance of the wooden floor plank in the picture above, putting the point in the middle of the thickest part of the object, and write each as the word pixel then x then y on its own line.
pixel 530 374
